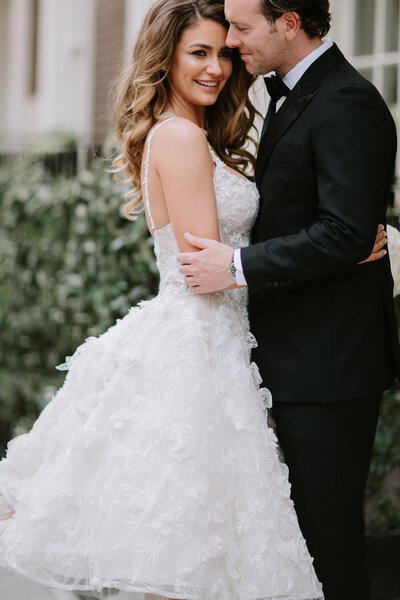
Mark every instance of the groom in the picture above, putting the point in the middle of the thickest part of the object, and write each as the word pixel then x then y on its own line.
pixel 325 324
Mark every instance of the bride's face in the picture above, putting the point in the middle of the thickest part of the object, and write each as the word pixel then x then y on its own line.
pixel 202 64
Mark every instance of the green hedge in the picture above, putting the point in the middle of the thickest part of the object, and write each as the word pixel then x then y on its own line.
pixel 383 489
pixel 70 265
pixel 383 499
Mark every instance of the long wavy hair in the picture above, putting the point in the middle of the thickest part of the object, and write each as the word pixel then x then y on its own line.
pixel 142 93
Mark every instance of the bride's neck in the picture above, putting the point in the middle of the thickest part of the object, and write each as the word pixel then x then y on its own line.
pixel 183 109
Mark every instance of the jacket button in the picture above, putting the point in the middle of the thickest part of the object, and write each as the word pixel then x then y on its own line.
pixel 276 284
pixel 268 285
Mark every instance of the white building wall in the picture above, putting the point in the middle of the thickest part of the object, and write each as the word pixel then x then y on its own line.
pixel 135 11
pixel 342 27
pixel 3 59
pixel 65 67
pixel 63 99
pixel 14 118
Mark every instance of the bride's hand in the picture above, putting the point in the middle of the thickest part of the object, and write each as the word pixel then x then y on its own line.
pixel 7 516
pixel 378 250
pixel 5 521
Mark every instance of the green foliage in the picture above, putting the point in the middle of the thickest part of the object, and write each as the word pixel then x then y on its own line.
pixel 383 504
pixel 70 265
pixel 383 501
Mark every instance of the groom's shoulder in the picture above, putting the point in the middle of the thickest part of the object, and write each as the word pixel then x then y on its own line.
pixel 344 76
pixel 344 73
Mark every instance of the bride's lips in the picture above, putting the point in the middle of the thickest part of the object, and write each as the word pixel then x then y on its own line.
pixel 208 84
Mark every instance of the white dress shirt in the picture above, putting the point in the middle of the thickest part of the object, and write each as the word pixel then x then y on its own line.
pixel 290 80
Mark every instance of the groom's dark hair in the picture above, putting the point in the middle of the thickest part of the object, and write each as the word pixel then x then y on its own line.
pixel 314 14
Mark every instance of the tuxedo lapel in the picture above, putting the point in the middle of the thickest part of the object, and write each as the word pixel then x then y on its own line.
pixel 301 95
pixel 279 124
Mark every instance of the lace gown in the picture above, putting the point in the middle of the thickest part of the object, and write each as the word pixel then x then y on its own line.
pixel 153 469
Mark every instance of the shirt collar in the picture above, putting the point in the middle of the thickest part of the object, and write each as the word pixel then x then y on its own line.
pixel 298 71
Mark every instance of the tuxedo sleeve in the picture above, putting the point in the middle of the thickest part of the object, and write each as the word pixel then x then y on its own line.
pixel 353 147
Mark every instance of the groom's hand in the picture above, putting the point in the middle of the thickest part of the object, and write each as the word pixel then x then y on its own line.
pixel 207 271
pixel 378 250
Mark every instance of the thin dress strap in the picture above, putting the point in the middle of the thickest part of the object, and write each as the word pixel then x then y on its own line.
pixel 146 171
pixel 216 159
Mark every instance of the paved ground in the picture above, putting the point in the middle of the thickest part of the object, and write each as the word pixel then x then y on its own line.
pixel 13 587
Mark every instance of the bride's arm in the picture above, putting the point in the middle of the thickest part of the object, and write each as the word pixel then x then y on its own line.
pixel 393 236
pixel 185 167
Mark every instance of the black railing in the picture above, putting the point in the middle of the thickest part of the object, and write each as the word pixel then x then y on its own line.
pixel 57 160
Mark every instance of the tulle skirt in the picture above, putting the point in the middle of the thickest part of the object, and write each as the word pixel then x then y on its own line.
pixel 153 470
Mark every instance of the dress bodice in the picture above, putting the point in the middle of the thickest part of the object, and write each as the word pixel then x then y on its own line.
pixel 237 204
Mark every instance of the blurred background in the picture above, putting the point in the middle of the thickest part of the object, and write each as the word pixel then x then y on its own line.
pixel 58 57
pixel 70 265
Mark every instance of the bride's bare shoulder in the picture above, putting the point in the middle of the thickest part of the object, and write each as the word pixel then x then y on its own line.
pixel 179 135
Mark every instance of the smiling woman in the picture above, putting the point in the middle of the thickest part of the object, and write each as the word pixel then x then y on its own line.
pixel 230 114
pixel 200 69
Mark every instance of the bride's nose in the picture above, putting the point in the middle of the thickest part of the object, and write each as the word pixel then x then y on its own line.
pixel 214 67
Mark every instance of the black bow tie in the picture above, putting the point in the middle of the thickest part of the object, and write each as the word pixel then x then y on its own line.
pixel 276 87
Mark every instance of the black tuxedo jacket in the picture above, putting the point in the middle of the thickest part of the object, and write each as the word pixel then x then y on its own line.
pixel 325 325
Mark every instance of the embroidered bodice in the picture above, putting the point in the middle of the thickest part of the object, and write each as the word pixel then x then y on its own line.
pixel 237 206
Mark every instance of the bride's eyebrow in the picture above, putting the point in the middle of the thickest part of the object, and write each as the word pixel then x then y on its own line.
pixel 206 47
pixel 199 45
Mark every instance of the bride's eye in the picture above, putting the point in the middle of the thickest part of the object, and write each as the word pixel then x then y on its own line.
pixel 226 54
pixel 199 53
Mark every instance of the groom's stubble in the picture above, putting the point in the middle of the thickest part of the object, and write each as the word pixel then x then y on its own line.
pixel 260 43
pixel 266 46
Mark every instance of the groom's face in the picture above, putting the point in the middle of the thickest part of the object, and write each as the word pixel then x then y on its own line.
pixel 261 44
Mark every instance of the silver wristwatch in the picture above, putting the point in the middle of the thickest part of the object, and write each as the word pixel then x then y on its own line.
pixel 232 269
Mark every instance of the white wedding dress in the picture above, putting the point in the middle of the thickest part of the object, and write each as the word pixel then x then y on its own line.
pixel 153 470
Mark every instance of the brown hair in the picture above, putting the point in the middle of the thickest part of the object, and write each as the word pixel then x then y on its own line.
pixel 142 92
pixel 314 14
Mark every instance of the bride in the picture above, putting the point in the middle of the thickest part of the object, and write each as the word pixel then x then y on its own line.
pixel 153 470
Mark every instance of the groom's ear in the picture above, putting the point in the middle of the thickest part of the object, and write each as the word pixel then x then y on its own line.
pixel 292 25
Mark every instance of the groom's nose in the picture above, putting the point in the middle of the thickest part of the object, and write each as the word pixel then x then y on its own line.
pixel 231 39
